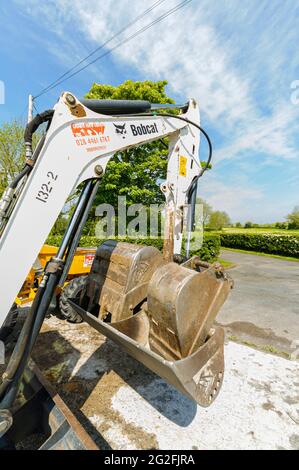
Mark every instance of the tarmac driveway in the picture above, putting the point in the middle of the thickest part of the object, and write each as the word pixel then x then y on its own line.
pixel 263 307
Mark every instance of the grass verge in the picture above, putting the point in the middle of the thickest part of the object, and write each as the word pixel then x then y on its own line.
pixel 258 253
pixel 268 348
pixel 267 231
pixel 226 264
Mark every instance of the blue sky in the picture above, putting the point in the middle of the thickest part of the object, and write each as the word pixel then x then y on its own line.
pixel 238 59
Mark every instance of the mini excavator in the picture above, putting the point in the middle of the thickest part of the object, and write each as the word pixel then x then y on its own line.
pixel 159 307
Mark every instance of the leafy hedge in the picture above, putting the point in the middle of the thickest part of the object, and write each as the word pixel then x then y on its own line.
pixel 276 244
pixel 210 249
pixel 208 252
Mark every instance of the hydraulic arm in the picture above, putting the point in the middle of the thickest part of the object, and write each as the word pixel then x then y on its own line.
pixel 78 145
pixel 160 312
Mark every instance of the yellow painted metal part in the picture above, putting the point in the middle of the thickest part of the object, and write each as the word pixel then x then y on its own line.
pixel 81 265
pixel 183 166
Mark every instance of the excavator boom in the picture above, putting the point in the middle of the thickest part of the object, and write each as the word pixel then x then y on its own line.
pixel 159 311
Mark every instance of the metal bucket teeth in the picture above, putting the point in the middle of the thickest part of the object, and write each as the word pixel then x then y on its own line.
pixel 199 375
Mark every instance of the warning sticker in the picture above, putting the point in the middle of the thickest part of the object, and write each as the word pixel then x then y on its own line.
pixel 183 166
pixel 88 260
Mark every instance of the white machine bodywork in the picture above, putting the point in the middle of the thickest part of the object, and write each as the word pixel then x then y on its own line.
pixel 72 149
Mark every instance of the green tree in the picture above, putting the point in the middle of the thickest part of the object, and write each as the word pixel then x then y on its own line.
pixel 218 220
pixel 293 219
pixel 281 225
pixel 248 225
pixel 12 159
pixel 207 210
pixel 134 173
pixel 60 225
pixel 12 152
pixel 238 224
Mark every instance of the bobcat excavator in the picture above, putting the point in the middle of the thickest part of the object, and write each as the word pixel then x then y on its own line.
pixel 159 307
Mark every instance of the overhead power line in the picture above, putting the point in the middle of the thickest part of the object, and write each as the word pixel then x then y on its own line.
pixel 131 23
pixel 124 41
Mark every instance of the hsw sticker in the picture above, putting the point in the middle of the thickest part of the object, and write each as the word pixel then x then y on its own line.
pixel 90 135
pixel 85 129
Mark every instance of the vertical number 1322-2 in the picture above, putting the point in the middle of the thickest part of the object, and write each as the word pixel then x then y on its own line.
pixel 46 188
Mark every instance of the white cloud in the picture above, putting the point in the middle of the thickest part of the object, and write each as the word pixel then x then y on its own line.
pixel 271 135
pixel 238 200
pixel 238 60
pixel 189 49
pixel 187 52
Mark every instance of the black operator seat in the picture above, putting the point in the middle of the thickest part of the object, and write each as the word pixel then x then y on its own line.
pixel 116 107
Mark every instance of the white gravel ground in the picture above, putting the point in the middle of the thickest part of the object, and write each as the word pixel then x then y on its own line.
pixel 131 408
pixel 258 408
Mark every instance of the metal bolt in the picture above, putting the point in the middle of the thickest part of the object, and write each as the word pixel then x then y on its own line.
pixel 70 99
pixel 163 187
pixel 98 169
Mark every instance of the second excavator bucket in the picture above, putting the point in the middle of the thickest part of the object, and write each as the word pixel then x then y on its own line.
pixel 161 313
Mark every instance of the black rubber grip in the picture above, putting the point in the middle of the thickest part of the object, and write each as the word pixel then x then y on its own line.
pixel 115 107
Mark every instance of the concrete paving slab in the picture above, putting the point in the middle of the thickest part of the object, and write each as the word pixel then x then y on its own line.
pixel 125 406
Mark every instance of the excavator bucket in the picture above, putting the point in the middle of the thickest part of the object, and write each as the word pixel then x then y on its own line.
pixel 161 313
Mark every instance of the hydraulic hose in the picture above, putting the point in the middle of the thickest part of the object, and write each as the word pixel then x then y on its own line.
pixel 192 189
pixel 31 328
pixel 22 347
pixel 26 170
pixel 10 384
pixel 32 126
pixel 193 183
pixel 175 116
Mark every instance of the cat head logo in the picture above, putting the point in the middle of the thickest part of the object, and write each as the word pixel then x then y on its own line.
pixel 120 129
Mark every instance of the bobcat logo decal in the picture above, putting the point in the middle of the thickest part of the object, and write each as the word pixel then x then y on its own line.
pixel 120 129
